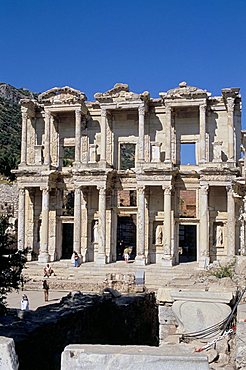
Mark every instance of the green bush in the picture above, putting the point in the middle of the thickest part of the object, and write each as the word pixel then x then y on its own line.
pixel 222 271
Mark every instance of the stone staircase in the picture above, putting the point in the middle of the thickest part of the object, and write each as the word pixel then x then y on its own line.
pixel 90 277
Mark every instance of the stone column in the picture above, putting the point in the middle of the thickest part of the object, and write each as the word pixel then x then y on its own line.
pixel 141 113
pixel 202 110
pixel 47 138
pixel 230 123
pixel 24 138
pixel 84 227
pixel 103 135
pixel 203 258
pixel 44 232
pixel 243 228
pixel 168 134
pixel 101 256
pixel 77 221
pixel 167 227
pixel 21 220
pixel 77 135
pixel 231 220
pixel 140 253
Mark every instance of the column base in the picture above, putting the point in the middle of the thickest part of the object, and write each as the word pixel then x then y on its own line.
pixel 101 259
pixel 43 258
pixel 140 260
pixel 203 262
pixel 167 261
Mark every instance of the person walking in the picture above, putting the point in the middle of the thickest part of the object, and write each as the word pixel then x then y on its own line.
pixel 46 290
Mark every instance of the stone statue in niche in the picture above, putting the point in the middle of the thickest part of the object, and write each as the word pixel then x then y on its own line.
pixel 219 236
pixel 95 232
pixel 159 235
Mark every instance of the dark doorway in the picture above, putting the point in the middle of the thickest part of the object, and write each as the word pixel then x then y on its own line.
pixel 67 241
pixel 187 243
pixel 126 236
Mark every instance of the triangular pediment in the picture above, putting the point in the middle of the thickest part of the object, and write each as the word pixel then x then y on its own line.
pixel 62 95
pixel 120 92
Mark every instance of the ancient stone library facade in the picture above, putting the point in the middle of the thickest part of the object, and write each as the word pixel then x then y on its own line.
pixel 163 176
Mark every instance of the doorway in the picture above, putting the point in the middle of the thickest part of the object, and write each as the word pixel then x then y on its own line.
pixel 126 236
pixel 187 243
pixel 67 240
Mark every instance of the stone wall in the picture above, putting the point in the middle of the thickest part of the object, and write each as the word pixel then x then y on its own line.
pixel 86 319
pixel 9 199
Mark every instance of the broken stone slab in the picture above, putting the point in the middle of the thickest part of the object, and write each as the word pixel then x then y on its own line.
pixel 197 316
pixel 202 296
pixel 8 356
pixel 98 357
pixel 163 295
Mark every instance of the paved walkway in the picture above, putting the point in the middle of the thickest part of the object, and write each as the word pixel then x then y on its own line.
pixel 36 298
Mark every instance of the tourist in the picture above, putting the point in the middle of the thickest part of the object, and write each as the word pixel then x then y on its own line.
pixel 126 254
pixel 75 259
pixel 46 290
pixel 48 271
pixel 24 303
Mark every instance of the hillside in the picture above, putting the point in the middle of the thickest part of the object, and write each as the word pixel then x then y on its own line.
pixel 10 127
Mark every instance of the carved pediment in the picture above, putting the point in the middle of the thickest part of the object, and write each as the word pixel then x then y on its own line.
pixel 62 95
pixel 120 92
pixel 183 91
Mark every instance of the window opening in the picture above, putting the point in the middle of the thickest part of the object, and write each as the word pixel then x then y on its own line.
pixel 68 156
pixel 188 154
pixel 127 156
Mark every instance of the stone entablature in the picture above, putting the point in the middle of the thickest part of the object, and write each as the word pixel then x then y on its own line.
pixel 90 151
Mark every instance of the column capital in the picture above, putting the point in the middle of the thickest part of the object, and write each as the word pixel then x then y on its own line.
pixel 103 112
pixel 140 189
pixel 78 113
pixel 44 188
pixel 204 188
pixel 21 191
pixel 230 104
pixel 202 108
pixel 168 108
pixel 167 189
pixel 101 189
pixel 47 113
pixel 229 189
pixel 141 110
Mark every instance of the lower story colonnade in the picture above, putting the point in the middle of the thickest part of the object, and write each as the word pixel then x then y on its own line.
pixel 164 224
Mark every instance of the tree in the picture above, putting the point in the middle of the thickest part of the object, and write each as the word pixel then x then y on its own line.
pixel 11 265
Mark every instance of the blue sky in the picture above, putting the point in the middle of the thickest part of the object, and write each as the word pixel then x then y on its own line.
pixel 151 45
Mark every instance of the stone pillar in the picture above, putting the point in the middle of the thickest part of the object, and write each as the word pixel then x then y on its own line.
pixel 44 232
pixel 203 258
pixel 77 221
pixel 21 220
pixel 243 228
pixel 202 110
pixel 101 256
pixel 140 253
pixel 77 135
pixel 167 227
pixel 84 227
pixel 230 123
pixel 141 113
pixel 24 138
pixel 103 135
pixel 47 138
pixel 231 220
pixel 168 134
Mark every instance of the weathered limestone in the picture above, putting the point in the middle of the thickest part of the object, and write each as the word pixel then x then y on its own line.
pixel 8 357
pixel 197 316
pixel 128 357
pixel 44 234
pixel 136 147
pixel 21 219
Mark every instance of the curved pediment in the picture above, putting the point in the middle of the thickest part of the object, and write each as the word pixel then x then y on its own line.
pixel 62 95
pixel 120 92
pixel 183 91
